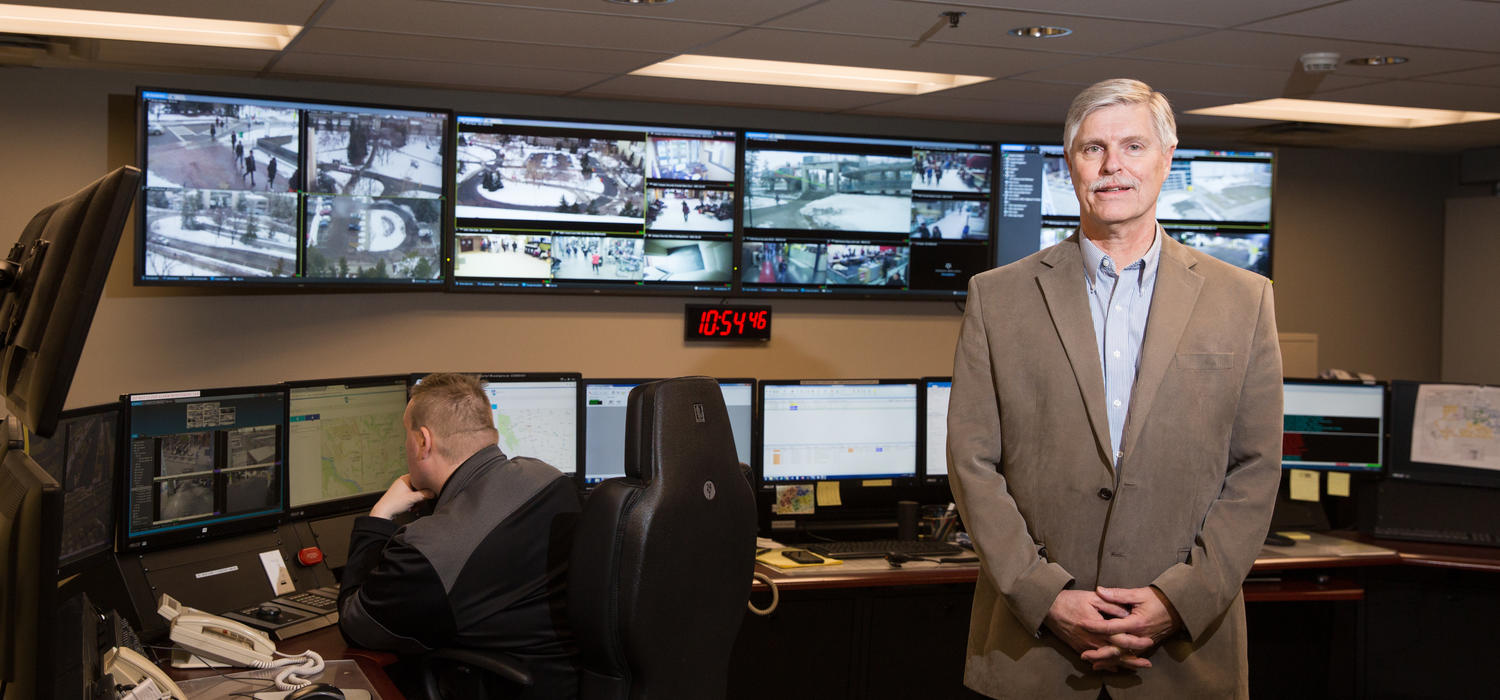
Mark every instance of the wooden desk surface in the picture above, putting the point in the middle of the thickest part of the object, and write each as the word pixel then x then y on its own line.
pixel 330 645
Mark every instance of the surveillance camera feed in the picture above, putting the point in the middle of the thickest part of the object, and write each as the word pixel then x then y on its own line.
pixel 574 205
pixel 1218 202
pixel 871 216
pixel 244 190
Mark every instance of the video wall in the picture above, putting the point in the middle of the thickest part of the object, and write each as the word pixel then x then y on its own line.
pixel 246 191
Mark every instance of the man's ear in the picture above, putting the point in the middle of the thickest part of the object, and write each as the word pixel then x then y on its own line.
pixel 424 442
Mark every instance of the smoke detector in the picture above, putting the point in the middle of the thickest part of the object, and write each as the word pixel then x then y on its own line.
pixel 1320 61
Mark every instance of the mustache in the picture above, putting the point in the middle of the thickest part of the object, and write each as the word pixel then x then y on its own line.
pixel 1114 181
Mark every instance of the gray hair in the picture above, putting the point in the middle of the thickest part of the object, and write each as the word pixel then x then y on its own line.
pixel 1121 91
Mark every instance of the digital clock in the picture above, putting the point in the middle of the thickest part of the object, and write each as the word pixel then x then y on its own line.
pixel 709 322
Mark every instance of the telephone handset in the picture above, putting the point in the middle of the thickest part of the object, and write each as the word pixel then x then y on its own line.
pixel 129 667
pixel 224 641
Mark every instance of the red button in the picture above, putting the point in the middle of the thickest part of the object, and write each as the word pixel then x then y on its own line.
pixel 310 555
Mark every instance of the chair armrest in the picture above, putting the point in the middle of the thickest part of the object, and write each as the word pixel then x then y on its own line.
pixel 501 665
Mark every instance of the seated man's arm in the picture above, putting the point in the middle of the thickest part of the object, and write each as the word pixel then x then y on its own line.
pixel 1235 528
pixel 1010 558
pixel 390 597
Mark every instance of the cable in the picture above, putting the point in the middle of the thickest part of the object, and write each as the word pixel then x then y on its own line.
pixel 775 596
pixel 295 668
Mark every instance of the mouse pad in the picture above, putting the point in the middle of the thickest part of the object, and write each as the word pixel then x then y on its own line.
pixel 777 559
pixel 351 694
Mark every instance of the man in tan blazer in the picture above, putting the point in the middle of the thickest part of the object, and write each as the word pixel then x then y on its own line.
pixel 1115 438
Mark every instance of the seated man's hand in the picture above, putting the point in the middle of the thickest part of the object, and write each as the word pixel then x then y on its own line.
pixel 1151 619
pixel 399 498
pixel 1074 617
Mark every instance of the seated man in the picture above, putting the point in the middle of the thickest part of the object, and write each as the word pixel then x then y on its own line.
pixel 488 568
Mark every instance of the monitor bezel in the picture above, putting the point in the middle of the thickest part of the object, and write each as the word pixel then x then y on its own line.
pixel 924 471
pixel 347 504
pixel 191 533
pixel 854 292
pixel 1385 424
pixel 760 425
pixel 66 567
pixel 293 284
pixel 492 285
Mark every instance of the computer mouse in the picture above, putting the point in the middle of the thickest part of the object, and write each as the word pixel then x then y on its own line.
pixel 896 559
pixel 316 691
pixel 1279 540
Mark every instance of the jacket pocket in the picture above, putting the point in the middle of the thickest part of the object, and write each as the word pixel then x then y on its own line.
pixel 1205 360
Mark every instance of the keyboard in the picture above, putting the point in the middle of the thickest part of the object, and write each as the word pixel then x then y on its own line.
pixel 869 549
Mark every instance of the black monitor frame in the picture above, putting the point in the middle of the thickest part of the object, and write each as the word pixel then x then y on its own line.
pixel 1399 465
pixel 924 467
pixel 1385 431
pixel 348 504
pixel 980 263
pixel 30 535
pixel 197 531
pixel 572 286
pixel 303 205
pixel 760 433
pixel 583 387
pixel 86 559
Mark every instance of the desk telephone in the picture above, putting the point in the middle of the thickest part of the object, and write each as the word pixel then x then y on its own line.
pixel 216 641
pixel 128 667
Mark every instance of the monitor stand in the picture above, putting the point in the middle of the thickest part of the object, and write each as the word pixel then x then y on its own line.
pixel 1296 515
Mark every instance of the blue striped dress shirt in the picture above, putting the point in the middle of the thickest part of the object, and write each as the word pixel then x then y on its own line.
pixel 1119 301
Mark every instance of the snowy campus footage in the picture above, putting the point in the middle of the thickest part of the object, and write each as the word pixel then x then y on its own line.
pixel 553 178
pixel 222 191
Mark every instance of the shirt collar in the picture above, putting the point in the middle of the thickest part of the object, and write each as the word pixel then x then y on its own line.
pixel 1093 257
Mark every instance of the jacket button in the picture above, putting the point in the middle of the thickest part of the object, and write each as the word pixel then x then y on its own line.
pixel 1106 494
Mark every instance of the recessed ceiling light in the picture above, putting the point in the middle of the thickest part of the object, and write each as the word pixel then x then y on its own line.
pixel 1377 61
pixel 809 75
pixel 130 26
pixel 1351 113
pixel 1041 32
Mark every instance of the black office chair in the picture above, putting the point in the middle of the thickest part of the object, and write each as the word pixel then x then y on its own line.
pixel 662 561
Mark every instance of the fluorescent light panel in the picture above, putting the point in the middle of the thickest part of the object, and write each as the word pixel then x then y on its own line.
pixel 809 75
pixel 129 26
pixel 1346 113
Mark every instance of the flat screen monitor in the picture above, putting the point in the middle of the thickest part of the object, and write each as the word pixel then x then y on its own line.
pixel 1333 426
pixel 244 190
pixel 84 456
pixel 814 430
pixel 851 215
pixel 345 442
pixel 202 463
pixel 1216 201
pixel 30 516
pixel 1445 433
pixel 536 415
pixel 588 206
pixel 935 391
pixel 604 420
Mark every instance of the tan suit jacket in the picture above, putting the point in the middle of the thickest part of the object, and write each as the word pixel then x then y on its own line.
pixel 1185 511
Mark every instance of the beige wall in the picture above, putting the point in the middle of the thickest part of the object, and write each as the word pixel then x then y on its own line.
pixel 1343 225
pixel 1471 321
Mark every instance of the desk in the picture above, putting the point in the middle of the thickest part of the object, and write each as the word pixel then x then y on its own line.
pixel 330 645
pixel 1412 620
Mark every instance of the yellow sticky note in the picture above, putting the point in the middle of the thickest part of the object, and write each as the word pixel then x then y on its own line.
pixel 876 482
pixel 1295 535
pixel 828 493
pixel 1304 485
pixel 1338 484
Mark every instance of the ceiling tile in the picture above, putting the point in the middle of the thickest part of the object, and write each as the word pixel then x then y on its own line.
pixel 1170 77
pixel 1281 52
pixel 741 13
pixel 273 11
pixel 1454 24
pixel 906 21
pixel 430 73
pixel 1479 76
pixel 496 23
pixel 636 87
pixel 812 47
pixel 177 55
pixel 1210 14
pixel 430 48
pixel 1415 93
pixel 934 107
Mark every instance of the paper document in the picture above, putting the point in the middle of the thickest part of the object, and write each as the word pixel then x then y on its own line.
pixel 1458 425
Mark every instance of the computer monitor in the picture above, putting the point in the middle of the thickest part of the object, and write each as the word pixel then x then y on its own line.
pixel 536 415
pixel 814 430
pixel 201 464
pixel 1217 201
pixel 604 417
pixel 934 411
pixel 345 443
pixel 84 456
pixel 1333 425
pixel 593 206
pixel 51 281
pixel 889 217
pixel 243 191
pixel 31 507
pixel 1443 433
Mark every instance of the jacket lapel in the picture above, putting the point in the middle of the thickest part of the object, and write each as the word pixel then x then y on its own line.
pixel 1064 290
pixel 1177 287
